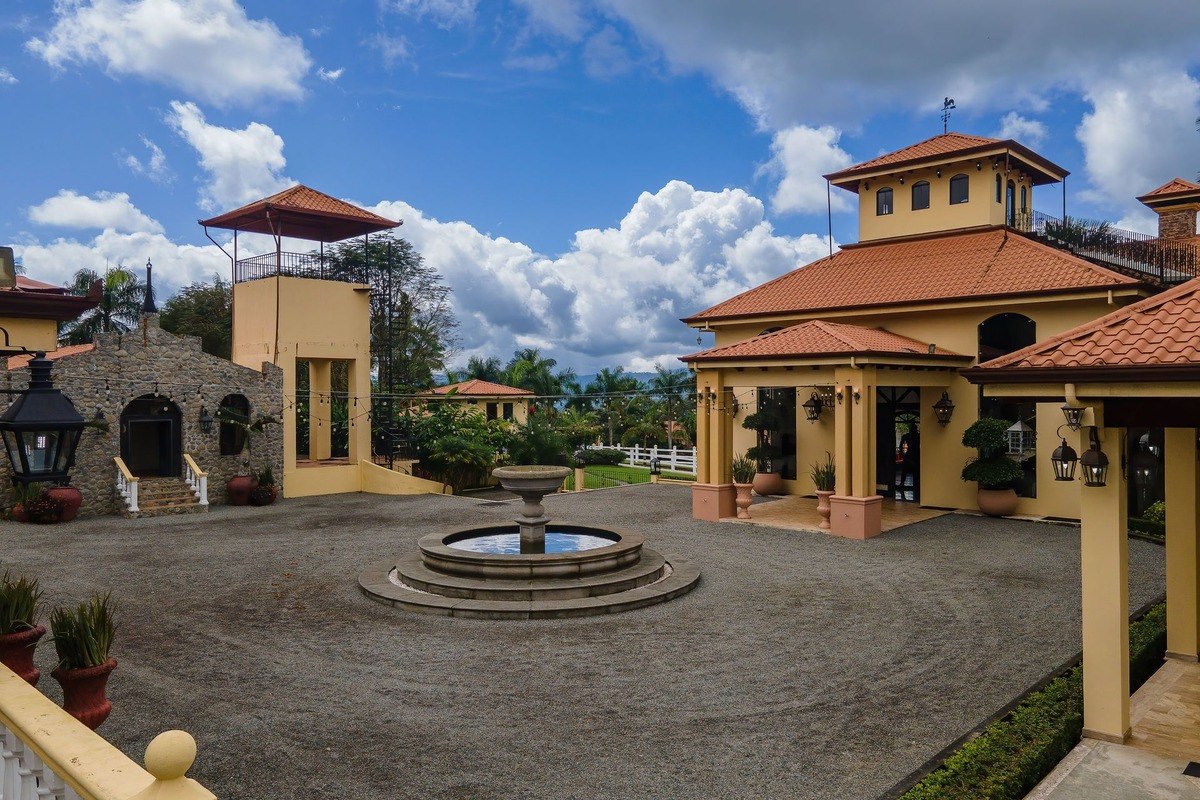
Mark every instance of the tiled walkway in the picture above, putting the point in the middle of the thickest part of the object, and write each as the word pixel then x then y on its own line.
pixel 796 513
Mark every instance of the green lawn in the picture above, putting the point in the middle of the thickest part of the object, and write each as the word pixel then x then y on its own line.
pixel 602 477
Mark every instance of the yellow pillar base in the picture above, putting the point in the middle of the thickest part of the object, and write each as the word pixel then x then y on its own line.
pixel 713 501
pixel 856 517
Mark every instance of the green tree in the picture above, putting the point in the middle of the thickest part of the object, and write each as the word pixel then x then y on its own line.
pixel 529 369
pixel 674 387
pixel 609 389
pixel 122 294
pixel 413 327
pixel 205 310
pixel 484 369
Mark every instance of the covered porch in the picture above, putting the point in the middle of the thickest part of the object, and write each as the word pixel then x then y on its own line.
pixel 843 390
pixel 1138 367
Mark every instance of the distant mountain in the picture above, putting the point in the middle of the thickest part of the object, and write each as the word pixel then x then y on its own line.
pixel 644 377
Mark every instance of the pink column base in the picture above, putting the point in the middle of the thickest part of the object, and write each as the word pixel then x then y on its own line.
pixel 713 501
pixel 856 517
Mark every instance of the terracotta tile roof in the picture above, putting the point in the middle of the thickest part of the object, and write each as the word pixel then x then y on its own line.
pixel 17 362
pixel 1172 187
pixel 958 266
pixel 822 338
pixel 305 213
pixel 940 145
pixel 30 284
pixel 480 388
pixel 1160 331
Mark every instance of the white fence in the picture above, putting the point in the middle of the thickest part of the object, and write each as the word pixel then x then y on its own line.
pixel 671 459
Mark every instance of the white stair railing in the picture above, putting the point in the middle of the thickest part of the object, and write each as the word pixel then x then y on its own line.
pixel 127 485
pixel 196 478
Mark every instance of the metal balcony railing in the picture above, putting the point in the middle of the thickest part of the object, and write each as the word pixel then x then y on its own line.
pixel 296 265
pixel 1164 261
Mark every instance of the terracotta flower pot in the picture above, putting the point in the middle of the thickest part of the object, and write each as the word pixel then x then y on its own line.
pixel 69 498
pixel 742 499
pixel 766 483
pixel 997 502
pixel 19 514
pixel 263 495
pixel 238 490
pixel 16 653
pixel 823 508
pixel 83 692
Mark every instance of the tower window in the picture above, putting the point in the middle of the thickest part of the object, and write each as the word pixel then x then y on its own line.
pixel 1024 199
pixel 920 195
pixel 883 202
pixel 959 189
pixel 999 189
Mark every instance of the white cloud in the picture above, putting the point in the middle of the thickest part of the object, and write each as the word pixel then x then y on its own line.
pixel 1029 132
pixel 103 210
pixel 605 55
pixel 444 13
pixel 154 167
pixel 616 295
pixel 800 155
pixel 7 77
pixel 242 165
pixel 209 49
pixel 1140 133
pixel 330 75
pixel 565 18
pixel 391 48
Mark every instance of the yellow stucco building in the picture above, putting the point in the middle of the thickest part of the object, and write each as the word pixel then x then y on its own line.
pixel 492 400
pixel 953 268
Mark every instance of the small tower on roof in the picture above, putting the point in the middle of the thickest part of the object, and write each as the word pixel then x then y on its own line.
pixel 1176 203
pixel 297 310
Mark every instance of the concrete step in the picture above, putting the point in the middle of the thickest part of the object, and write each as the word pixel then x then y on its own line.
pixel 161 510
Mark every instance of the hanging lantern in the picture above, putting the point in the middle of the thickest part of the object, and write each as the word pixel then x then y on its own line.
pixel 813 407
pixel 41 429
pixel 943 409
pixel 1095 464
pixel 1074 415
pixel 1143 465
pixel 1022 439
pixel 1064 459
pixel 206 420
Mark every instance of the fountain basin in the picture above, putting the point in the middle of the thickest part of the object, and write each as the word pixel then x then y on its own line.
pixel 439 552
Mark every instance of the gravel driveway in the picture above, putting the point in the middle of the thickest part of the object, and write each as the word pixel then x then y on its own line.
pixel 802 666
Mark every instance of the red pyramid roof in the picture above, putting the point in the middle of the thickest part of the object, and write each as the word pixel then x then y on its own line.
pixel 822 338
pixel 302 213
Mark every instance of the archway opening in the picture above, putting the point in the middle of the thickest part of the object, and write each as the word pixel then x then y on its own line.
pixel 152 437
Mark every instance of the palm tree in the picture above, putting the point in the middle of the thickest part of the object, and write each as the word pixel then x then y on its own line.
pixel 672 385
pixel 484 369
pixel 122 294
pixel 609 382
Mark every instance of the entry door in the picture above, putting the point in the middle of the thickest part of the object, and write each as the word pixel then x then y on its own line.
pixel 149 447
pixel 897 423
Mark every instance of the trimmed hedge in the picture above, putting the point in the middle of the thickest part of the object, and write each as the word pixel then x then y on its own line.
pixel 1149 527
pixel 1014 753
pixel 604 457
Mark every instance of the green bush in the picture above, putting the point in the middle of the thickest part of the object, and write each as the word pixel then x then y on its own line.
pixel 987 435
pixel 604 457
pixel 537 442
pixel 992 468
pixel 743 469
pixel 1156 529
pixel 1156 513
pixel 83 635
pixel 1014 753
pixel 458 461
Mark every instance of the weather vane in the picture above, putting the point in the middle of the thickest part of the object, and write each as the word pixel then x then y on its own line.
pixel 947 107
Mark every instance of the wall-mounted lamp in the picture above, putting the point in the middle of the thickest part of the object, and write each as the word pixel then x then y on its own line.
pixel 813 407
pixel 838 395
pixel 901 180
pixel 1064 459
pixel 1074 415
pixel 206 420
pixel 938 172
pixel 857 396
pixel 1094 463
pixel 978 165
pixel 943 409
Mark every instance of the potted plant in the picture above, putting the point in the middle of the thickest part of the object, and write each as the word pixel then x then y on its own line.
pixel 19 633
pixel 22 495
pixel 764 453
pixel 743 468
pixel 239 487
pixel 823 477
pixel 82 638
pixel 992 469
pixel 69 499
pixel 264 491
pixel 44 510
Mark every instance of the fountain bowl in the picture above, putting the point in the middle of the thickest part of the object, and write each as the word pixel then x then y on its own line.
pixel 438 552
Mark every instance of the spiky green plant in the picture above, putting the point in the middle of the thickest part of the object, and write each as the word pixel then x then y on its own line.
pixel 84 634
pixel 19 598
pixel 824 476
pixel 743 469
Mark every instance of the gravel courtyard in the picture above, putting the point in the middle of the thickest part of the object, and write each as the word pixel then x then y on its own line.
pixel 802 666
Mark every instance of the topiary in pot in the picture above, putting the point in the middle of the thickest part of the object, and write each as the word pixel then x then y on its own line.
pixel 764 453
pixel 82 638
pixel 992 469
pixel 264 492
pixel 19 631
pixel 824 477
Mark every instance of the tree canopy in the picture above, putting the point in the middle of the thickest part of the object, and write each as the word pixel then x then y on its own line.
pixel 205 310
pixel 121 299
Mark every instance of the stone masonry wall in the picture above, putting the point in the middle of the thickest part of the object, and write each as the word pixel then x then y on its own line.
pixel 123 367
pixel 1179 224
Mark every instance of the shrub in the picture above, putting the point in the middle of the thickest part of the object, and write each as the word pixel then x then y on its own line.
pixel 266 477
pixel 991 469
pixel 458 461
pixel 823 476
pixel 603 457
pixel 537 442
pixel 743 469
pixel 84 634
pixel 45 510
pixel 19 598
pixel 1157 512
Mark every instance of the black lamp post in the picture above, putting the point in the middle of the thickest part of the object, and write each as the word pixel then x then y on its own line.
pixel 813 407
pixel 943 409
pixel 41 429
pixel 1095 464
pixel 1064 459
pixel 656 466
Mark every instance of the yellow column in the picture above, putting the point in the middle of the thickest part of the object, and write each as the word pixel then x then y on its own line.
pixel 1104 562
pixel 320 409
pixel 862 412
pixel 702 441
pixel 841 438
pixel 288 364
pixel 712 496
pixel 359 383
pixel 723 446
pixel 1183 544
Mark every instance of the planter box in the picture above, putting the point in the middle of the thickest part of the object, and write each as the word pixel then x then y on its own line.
pixel 856 517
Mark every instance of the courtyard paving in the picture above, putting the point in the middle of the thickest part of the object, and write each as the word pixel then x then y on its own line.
pixel 802 666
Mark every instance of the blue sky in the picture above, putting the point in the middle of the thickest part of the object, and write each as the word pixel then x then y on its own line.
pixel 583 172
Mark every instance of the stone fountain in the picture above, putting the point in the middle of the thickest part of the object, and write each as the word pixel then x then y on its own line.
pixel 531 569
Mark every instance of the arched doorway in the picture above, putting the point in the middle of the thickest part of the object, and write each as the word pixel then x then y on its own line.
pixel 998 336
pixel 151 437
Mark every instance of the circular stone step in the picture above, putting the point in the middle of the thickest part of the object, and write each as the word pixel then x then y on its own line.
pixel 412 572
pixel 679 576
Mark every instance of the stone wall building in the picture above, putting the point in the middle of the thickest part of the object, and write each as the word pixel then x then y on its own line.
pixel 155 392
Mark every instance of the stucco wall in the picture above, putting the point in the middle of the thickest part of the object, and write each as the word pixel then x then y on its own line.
pixel 123 367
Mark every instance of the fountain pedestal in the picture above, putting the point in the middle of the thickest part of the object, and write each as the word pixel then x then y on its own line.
pixel 532 484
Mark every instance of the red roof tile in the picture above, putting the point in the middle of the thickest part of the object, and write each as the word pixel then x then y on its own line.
pixel 958 266
pixel 940 145
pixel 479 388
pixel 1160 331
pixel 1175 186
pixel 17 362
pixel 821 338
pixel 304 213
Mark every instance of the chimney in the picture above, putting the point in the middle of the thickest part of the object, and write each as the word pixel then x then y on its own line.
pixel 1177 222
pixel 1176 202
pixel 8 268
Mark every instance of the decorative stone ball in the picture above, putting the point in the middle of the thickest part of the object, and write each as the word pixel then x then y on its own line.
pixel 170 755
